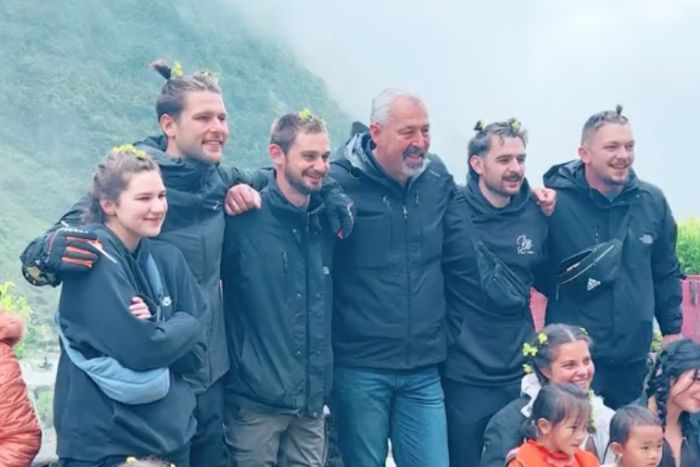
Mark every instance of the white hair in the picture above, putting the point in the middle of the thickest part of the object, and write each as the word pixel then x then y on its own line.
pixel 381 104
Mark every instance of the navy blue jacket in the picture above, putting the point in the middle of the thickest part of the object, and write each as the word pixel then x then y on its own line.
pixel 389 300
pixel 278 302
pixel 619 318
pixel 96 320
pixel 485 341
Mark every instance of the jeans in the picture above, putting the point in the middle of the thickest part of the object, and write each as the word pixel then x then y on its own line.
pixel 407 406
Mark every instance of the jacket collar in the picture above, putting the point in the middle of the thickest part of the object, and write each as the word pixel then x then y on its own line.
pixel 359 154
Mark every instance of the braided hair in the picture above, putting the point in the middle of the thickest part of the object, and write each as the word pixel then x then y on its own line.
pixel 547 343
pixel 675 359
pixel 171 99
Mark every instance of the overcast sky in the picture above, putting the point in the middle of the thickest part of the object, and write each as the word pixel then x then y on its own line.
pixel 549 63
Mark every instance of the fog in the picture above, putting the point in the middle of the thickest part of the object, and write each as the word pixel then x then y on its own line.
pixel 551 64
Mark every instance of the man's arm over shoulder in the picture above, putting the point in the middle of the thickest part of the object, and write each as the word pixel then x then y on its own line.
pixel 59 249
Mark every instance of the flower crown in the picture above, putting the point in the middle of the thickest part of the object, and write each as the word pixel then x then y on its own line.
pixel 130 150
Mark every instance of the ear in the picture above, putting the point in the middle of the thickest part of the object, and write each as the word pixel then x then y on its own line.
pixel 546 372
pixel 167 125
pixel 276 154
pixel 617 448
pixel 477 164
pixel 584 154
pixel 543 426
pixel 375 131
pixel 108 206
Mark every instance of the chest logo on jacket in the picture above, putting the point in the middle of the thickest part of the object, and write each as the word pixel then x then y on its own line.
pixel 524 245
pixel 646 239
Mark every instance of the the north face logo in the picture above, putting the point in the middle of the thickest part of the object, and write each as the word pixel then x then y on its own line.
pixel 592 284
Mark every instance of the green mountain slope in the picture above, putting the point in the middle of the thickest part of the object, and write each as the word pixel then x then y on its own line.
pixel 75 81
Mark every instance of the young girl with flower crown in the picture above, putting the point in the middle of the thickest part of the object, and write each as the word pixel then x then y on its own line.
pixel 555 430
pixel 558 354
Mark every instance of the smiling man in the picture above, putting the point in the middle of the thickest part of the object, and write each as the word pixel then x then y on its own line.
pixel 278 299
pixel 612 244
pixel 487 325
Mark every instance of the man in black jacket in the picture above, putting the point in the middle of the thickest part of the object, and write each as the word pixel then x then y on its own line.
pixel 194 125
pixel 278 301
pixel 612 242
pixel 389 303
pixel 487 325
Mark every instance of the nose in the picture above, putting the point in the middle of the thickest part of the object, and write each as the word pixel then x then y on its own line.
pixel 321 165
pixel 421 140
pixel 219 126
pixel 159 206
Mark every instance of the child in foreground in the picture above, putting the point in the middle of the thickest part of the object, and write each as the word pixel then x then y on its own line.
pixel 636 438
pixel 559 422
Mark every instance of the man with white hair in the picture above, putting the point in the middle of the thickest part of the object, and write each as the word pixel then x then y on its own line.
pixel 389 304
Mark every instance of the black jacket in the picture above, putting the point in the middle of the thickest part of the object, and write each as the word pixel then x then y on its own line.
pixel 618 317
pixel 95 318
pixel 278 301
pixel 389 303
pixel 485 341
pixel 195 225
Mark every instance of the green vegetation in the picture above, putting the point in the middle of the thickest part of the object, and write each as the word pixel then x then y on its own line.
pixel 688 245
pixel 36 333
pixel 76 82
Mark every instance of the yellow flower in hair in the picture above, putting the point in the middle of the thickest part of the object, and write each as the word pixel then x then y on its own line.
pixel 305 114
pixel 515 124
pixel 176 70
pixel 529 350
pixel 131 460
pixel 527 368
pixel 129 149
pixel 542 338
pixel 211 76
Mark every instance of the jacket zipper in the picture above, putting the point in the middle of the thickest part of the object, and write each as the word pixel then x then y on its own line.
pixel 408 283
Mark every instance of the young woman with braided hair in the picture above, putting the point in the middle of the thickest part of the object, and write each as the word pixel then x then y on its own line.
pixel 673 392
pixel 559 354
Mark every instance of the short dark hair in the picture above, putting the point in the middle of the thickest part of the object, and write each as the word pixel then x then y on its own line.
pixel 285 129
pixel 557 402
pixel 599 119
pixel 628 417
pixel 171 99
pixel 480 144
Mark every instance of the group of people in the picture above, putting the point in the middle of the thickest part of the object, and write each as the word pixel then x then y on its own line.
pixel 204 305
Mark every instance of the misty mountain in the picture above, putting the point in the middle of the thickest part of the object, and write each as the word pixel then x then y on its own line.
pixel 75 82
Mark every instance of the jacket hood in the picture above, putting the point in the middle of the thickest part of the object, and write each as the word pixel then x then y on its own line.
pixel 11 328
pixel 482 209
pixel 571 176
pixel 178 173
pixel 279 202
pixel 358 152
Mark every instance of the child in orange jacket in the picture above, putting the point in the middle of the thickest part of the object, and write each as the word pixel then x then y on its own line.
pixel 20 435
pixel 559 422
